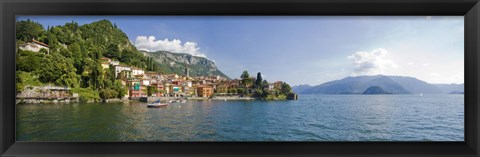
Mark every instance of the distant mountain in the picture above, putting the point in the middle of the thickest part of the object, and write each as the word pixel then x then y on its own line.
pixel 375 90
pixel 175 63
pixel 359 84
pixel 451 88
pixel 416 86
pixel 301 88
pixel 457 92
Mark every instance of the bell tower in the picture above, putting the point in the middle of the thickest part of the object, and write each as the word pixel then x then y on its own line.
pixel 187 74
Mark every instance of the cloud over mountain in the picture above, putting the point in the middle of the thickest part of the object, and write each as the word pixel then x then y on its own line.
pixel 151 44
pixel 371 63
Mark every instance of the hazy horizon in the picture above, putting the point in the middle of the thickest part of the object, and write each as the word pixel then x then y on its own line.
pixel 303 49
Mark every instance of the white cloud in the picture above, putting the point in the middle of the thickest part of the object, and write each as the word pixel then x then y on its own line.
pixel 371 63
pixel 150 44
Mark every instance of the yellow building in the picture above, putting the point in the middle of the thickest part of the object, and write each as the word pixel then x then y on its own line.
pixel 222 88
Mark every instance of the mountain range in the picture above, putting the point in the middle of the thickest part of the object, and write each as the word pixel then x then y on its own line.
pixel 170 62
pixel 390 84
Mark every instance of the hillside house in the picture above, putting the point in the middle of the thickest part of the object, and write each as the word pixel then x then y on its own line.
pixel 137 71
pixel 120 68
pixel 34 46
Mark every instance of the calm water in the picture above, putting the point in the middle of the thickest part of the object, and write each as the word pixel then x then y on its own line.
pixel 312 118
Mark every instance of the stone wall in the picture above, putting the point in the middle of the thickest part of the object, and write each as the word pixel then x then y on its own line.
pixel 46 94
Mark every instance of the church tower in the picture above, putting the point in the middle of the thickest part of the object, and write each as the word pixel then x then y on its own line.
pixel 187 74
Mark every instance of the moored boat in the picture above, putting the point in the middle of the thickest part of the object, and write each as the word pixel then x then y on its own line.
pixel 156 104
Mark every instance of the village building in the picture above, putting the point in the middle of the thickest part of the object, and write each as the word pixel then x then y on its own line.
pixel 222 88
pixel 271 86
pixel 34 46
pixel 134 88
pixel 159 88
pixel 114 63
pixel 120 68
pixel 205 91
pixel 277 84
pixel 137 71
pixel 105 62
pixel 153 75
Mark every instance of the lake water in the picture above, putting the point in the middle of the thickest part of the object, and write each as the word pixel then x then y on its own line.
pixel 311 118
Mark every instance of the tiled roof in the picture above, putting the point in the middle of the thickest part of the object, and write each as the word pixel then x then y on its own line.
pixel 39 43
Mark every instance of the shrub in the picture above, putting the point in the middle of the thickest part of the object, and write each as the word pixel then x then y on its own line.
pixel 86 94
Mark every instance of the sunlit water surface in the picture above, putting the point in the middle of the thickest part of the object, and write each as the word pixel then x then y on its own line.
pixel 311 118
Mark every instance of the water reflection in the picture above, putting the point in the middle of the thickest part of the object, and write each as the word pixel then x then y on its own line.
pixel 314 117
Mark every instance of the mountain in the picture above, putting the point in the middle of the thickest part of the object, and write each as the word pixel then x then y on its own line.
pixel 416 86
pixel 170 62
pixel 375 90
pixel 301 88
pixel 359 84
pixel 451 88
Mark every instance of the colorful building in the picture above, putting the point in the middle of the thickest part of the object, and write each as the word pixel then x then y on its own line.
pixel 205 91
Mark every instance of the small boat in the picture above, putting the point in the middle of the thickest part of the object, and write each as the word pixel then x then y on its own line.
pixel 421 94
pixel 156 104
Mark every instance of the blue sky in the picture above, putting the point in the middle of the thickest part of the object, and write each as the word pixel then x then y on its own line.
pixel 303 49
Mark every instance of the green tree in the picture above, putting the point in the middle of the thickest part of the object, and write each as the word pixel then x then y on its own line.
pixel 258 82
pixel 58 69
pixel 264 83
pixel 245 75
pixel 120 88
pixel 241 91
pixel 285 88
pixel 232 90
pixel 259 93
pixel 29 61
pixel 151 90
pixel 27 30
pixel 246 80
pixel 107 93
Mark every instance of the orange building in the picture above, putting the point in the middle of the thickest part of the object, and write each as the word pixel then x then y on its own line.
pixel 204 91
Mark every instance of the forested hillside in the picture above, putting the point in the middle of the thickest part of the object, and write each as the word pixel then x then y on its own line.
pixel 74 56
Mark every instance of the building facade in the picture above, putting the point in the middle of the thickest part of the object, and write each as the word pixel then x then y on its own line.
pixel 34 46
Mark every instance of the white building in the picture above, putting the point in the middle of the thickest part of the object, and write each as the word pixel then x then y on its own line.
pixel 114 63
pixel 34 46
pixel 137 71
pixel 120 68
pixel 146 82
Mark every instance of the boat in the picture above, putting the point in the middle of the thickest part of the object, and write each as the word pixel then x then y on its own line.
pixel 156 104
pixel 421 94
pixel 178 101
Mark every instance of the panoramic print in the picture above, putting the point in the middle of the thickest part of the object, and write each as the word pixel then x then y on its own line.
pixel 239 78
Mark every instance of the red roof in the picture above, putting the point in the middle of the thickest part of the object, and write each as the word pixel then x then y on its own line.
pixel 39 43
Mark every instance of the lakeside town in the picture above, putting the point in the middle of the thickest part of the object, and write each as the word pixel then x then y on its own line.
pixel 150 86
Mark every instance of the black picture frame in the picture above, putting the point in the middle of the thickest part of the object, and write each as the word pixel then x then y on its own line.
pixel 470 9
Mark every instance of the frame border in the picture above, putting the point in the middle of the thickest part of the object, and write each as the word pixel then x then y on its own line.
pixel 470 9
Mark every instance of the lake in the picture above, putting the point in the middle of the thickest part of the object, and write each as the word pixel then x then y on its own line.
pixel 311 118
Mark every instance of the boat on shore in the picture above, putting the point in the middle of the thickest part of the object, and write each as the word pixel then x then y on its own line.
pixel 156 104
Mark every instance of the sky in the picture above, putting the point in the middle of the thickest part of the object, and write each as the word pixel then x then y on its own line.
pixel 303 49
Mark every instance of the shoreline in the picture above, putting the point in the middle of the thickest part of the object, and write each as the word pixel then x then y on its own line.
pixel 138 99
